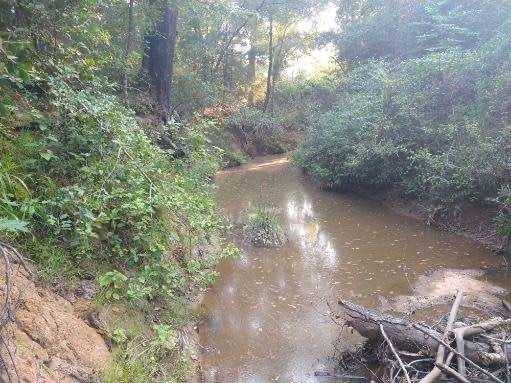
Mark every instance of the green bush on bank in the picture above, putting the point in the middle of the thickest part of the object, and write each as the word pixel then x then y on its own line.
pixel 260 132
pixel 86 193
pixel 435 125
pixel 93 191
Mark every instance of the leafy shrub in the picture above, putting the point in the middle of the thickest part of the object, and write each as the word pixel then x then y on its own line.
pixel 95 191
pixel 503 219
pixel 112 285
pixel 423 124
pixel 263 229
pixel 232 157
pixel 261 133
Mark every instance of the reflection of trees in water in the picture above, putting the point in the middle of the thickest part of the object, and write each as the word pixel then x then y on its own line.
pixel 306 228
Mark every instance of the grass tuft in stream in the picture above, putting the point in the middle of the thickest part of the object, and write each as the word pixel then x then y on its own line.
pixel 263 229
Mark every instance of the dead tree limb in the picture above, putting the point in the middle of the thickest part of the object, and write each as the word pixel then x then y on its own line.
pixel 449 371
pixel 401 332
pixel 478 328
pixel 435 373
pixel 440 341
pixel 405 336
pixel 395 353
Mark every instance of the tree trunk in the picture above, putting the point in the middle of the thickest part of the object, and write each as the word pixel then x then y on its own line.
pixel 129 43
pixel 251 74
pixel 225 74
pixel 159 63
pixel 269 79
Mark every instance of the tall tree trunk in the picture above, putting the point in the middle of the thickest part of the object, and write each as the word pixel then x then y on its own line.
pixel 251 74
pixel 269 81
pixel 127 52
pixel 225 74
pixel 160 49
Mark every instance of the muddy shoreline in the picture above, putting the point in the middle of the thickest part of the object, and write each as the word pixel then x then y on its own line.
pixel 471 220
pixel 476 222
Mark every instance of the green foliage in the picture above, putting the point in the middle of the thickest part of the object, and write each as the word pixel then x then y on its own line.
pixel 261 133
pixel 124 369
pixel 141 356
pixel 233 157
pixel 503 219
pixel 90 182
pixel 422 124
pixel 263 229
pixel 113 284
pixel 404 29
pixel 13 225
pixel 164 336
pixel 429 115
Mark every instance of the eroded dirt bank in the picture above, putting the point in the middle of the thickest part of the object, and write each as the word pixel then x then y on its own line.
pixel 49 340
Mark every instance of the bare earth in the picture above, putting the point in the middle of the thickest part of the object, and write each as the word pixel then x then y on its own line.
pixel 48 341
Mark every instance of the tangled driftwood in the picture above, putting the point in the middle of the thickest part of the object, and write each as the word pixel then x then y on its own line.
pixel 480 349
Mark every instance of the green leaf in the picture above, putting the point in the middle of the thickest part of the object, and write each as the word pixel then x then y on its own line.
pixel 13 225
pixel 23 73
pixel 48 155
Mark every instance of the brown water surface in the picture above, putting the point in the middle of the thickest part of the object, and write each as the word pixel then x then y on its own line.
pixel 267 312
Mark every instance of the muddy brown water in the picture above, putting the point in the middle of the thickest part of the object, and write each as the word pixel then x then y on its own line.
pixel 267 313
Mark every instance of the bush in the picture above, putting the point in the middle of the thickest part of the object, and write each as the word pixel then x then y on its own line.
pixel 261 133
pixel 503 219
pixel 95 191
pixel 263 229
pixel 232 157
pixel 434 126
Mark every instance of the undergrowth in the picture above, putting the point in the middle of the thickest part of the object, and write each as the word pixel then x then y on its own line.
pixel 86 192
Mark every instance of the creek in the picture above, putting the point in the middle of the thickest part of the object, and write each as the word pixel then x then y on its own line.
pixel 267 315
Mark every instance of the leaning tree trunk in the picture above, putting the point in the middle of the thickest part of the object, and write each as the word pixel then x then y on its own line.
pixel 159 61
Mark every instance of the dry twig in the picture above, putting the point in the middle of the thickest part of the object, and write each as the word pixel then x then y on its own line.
pixel 395 353
pixel 440 341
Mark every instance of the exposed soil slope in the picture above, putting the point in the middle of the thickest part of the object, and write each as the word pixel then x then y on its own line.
pixel 48 341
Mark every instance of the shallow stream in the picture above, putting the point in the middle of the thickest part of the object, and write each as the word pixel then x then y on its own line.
pixel 268 315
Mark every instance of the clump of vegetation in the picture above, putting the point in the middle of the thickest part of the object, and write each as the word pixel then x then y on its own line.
pixel 263 229
pixel 233 157
pixel 262 133
pixel 503 219
pixel 428 115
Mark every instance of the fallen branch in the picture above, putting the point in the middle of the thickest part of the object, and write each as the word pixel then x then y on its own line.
pixel 395 353
pixel 449 371
pixel 476 329
pixel 435 373
pixel 401 332
pixel 440 341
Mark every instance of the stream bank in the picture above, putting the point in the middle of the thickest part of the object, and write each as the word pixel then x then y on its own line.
pixel 474 221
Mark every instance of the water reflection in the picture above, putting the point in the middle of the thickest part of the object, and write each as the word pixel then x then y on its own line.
pixel 306 231
pixel 267 311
